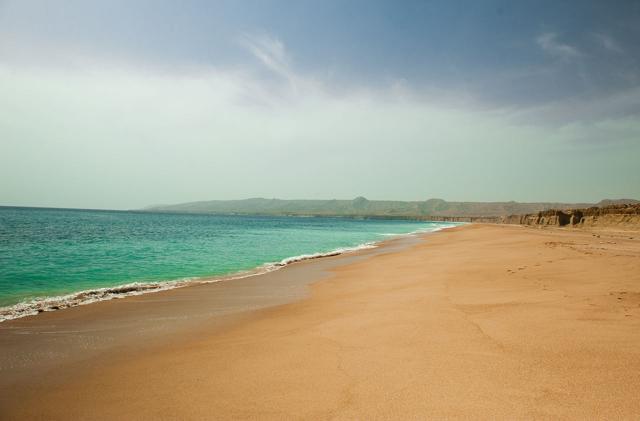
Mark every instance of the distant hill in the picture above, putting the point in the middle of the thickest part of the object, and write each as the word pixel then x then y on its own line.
pixel 361 206
pixel 612 202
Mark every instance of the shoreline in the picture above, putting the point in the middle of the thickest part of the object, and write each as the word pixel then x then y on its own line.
pixel 33 345
pixel 52 303
pixel 479 321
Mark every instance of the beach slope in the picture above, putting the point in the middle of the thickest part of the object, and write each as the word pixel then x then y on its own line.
pixel 480 321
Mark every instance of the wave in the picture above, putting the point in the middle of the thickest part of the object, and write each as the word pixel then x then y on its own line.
pixel 47 304
pixel 440 227
pixel 335 252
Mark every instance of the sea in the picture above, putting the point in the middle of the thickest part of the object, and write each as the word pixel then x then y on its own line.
pixel 56 258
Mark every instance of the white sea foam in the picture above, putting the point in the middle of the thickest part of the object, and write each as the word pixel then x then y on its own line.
pixel 435 229
pixel 335 252
pixel 46 304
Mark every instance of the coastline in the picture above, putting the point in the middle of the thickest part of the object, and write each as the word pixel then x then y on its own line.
pixel 476 322
pixel 64 341
pixel 90 296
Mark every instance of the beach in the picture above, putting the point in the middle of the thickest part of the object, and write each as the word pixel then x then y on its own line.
pixel 478 321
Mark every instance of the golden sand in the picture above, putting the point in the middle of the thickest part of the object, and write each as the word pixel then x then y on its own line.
pixel 476 322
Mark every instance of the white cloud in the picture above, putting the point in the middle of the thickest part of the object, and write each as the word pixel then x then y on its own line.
pixel 608 43
pixel 549 44
pixel 112 135
pixel 270 51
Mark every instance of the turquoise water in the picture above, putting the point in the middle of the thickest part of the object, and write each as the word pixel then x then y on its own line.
pixel 50 252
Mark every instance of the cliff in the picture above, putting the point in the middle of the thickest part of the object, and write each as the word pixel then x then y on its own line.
pixel 617 215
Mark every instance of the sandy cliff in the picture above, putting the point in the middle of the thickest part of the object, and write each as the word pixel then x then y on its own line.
pixel 623 216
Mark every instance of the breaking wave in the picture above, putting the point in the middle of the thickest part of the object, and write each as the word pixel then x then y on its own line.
pixel 47 304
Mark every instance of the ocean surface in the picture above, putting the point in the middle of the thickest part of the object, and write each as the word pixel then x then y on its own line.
pixel 56 258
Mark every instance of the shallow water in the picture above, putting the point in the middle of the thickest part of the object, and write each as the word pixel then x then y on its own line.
pixel 53 252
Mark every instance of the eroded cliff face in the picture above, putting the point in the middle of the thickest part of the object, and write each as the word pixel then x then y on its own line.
pixel 625 215
pixel 617 215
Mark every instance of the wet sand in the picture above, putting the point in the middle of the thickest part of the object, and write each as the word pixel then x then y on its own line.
pixel 481 321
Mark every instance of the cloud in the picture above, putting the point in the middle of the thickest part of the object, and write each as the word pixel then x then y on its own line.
pixel 549 44
pixel 130 135
pixel 622 106
pixel 272 54
pixel 289 86
pixel 608 43
pixel 134 136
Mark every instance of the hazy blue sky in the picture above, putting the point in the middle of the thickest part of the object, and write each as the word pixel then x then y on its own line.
pixel 122 104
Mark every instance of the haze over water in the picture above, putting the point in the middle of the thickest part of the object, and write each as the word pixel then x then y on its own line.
pixel 125 104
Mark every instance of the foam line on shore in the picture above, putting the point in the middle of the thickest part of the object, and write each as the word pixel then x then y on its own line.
pixel 47 304
pixel 59 302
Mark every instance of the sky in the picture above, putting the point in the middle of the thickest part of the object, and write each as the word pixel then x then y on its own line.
pixel 124 104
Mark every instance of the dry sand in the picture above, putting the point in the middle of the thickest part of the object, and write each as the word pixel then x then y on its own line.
pixel 476 322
